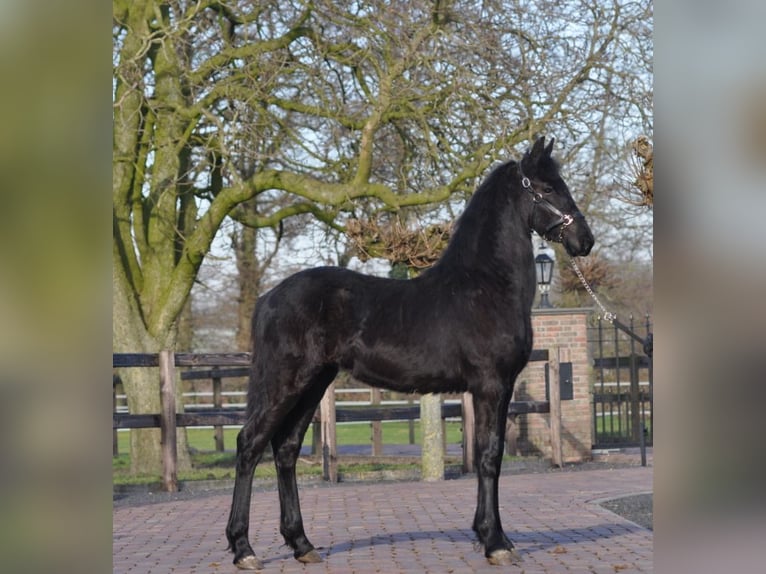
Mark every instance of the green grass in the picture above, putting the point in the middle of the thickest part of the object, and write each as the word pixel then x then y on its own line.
pixel 211 465
pixel 617 426
pixel 205 466
pixel 395 432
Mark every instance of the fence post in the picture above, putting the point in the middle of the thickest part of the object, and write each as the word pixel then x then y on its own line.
pixel 444 435
pixel 115 443
pixel 329 445
pixel 554 387
pixel 316 434
pixel 411 424
pixel 217 404
pixel 377 427
pixel 468 432
pixel 168 421
pixel 511 434
pixel 635 400
pixel 432 451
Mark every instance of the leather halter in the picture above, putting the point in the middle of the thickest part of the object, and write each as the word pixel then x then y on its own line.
pixel 564 219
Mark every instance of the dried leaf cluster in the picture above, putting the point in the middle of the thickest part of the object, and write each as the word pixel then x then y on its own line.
pixel 638 188
pixel 594 268
pixel 395 242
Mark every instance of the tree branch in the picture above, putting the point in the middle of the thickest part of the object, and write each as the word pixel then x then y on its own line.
pixel 250 51
pixel 257 220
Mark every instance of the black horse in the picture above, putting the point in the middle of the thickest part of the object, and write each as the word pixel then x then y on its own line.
pixel 462 325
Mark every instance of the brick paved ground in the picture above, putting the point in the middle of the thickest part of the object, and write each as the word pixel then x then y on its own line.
pixel 401 527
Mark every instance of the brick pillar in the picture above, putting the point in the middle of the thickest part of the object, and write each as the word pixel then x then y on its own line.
pixel 567 329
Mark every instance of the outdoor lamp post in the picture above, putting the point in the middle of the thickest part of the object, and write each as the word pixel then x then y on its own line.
pixel 544 267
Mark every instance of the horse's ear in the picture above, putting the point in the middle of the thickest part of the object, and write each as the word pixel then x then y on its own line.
pixel 537 149
pixel 549 147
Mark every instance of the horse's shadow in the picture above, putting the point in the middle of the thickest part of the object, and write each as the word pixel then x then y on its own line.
pixel 454 535
pixel 526 542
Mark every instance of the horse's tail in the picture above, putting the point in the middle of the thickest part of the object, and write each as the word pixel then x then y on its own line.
pixel 255 386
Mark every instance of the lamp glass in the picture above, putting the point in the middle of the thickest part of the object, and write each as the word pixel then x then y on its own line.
pixel 544 265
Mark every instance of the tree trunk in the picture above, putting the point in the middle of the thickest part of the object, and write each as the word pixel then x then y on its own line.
pixel 142 384
pixel 143 397
pixel 142 387
pixel 248 280
pixel 185 336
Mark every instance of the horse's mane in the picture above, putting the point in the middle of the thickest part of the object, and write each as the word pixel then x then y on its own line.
pixel 477 227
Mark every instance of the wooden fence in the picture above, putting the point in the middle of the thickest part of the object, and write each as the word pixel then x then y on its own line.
pixel 168 420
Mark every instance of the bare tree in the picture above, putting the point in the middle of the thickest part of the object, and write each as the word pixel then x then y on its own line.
pixel 307 108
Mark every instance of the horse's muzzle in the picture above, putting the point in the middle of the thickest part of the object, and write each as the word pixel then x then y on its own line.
pixel 578 241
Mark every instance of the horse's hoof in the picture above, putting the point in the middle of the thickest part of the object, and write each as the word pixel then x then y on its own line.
pixel 504 557
pixel 311 557
pixel 249 563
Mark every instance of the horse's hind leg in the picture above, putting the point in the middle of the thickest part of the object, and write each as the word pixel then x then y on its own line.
pixel 251 442
pixel 286 444
pixel 265 411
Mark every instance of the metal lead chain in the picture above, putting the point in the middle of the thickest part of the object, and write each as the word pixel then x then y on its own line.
pixel 610 317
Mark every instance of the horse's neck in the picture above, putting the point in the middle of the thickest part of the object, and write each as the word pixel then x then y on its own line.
pixel 492 238
pixel 514 245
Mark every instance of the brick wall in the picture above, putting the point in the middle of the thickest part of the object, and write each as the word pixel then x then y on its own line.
pixel 566 329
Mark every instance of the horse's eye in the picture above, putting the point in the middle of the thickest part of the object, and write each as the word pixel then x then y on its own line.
pixel 548 189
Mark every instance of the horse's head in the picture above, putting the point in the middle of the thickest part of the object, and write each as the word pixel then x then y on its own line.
pixel 554 215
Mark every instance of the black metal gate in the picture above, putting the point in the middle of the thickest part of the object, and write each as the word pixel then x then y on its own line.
pixel 623 383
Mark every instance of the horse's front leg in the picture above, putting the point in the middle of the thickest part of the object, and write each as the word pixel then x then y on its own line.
pixel 491 412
